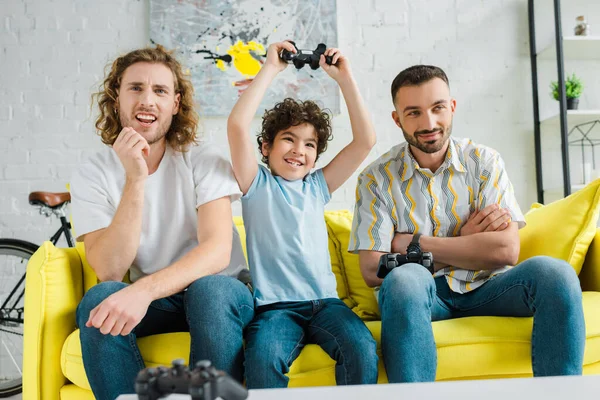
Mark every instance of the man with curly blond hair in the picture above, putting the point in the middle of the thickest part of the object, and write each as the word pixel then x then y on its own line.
pixel 157 205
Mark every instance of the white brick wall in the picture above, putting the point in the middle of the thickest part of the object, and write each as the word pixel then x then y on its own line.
pixel 53 53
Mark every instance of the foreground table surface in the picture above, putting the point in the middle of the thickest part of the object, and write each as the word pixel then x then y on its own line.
pixel 553 388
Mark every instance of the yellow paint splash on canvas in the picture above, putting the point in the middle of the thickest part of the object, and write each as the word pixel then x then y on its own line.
pixel 243 60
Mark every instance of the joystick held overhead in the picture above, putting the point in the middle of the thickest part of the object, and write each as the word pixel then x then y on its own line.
pixel 303 57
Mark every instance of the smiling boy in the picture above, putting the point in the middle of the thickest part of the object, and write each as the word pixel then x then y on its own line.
pixel 283 205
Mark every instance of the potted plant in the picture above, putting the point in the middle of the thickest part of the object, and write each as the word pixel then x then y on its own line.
pixel 573 87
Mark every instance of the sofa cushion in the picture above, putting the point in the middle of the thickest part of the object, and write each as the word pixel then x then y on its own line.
pixel 563 229
pixel 360 297
pixel 490 347
pixel 156 350
pixel 239 224
pixel 590 272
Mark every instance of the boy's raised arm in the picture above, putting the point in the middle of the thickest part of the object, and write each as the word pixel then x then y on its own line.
pixel 363 133
pixel 241 144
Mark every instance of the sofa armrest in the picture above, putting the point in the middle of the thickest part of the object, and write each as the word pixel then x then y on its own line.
pixel 53 288
pixel 590 273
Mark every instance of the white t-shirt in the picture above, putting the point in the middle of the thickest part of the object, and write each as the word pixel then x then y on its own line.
pixel 182 183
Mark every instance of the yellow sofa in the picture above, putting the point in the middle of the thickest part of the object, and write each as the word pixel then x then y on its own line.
pixel 468 348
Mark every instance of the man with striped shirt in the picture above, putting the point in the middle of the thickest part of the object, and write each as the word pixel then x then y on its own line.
pixel 454 197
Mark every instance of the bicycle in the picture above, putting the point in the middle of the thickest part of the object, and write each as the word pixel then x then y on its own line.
pixel 14 255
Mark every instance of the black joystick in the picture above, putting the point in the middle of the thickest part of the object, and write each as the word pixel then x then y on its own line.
pixel 204 382
pixel 303 57
pixel 208 384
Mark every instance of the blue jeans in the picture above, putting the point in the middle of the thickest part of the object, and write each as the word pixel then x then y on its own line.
pixel 280 330
pixel 543 287
pixel 215 310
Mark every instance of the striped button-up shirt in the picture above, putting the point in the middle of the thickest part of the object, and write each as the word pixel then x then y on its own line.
pixel 394 194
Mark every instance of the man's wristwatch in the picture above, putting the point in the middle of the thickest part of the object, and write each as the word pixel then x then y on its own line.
pixel 424 258
pixel 415 241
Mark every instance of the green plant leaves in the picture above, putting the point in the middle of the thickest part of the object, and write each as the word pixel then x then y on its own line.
pixel 573 86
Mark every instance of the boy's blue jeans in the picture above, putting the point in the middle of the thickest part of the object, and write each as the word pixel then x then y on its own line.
pixel 280 331
pixel 545 288
pixel 215 310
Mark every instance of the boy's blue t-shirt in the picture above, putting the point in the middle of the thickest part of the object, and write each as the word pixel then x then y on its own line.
pixel 286 238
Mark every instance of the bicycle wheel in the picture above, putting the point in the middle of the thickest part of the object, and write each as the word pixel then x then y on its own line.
pixel 14 255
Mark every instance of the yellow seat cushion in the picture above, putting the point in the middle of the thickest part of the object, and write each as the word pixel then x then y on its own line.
pixel 239 224
pixel 474 347
pixel 563 229
pixel 359 297
pixel 156 350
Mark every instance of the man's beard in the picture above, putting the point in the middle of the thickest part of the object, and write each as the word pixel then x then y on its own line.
pixel 161 131
pixel 432 146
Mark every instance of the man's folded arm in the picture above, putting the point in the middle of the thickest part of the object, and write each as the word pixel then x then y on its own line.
pixel 479 251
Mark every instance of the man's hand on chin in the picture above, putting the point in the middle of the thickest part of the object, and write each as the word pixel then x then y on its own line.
pixel 119 313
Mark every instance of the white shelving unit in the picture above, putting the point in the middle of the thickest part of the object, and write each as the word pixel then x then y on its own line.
pixel 580 48
pixel 574 48
pixel 574 117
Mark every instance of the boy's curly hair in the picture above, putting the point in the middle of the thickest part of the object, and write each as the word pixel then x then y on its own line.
pixel 184 124
pixel 289 113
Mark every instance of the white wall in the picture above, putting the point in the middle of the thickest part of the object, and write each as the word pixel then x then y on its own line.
pixel 52 55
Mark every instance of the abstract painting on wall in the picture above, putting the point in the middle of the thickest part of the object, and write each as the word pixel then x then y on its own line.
pixel 223 43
